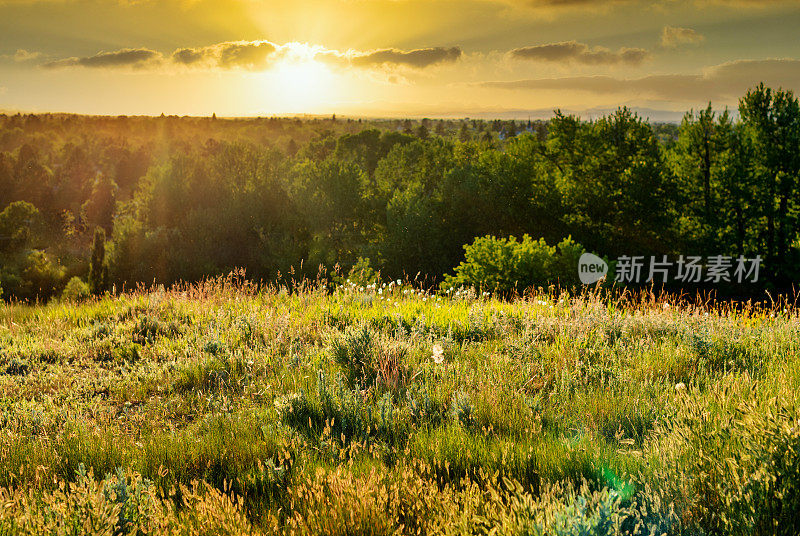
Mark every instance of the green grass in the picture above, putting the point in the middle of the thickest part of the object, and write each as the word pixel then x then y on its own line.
pixel 219 409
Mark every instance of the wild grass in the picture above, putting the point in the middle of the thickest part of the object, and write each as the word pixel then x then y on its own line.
pixel 220 408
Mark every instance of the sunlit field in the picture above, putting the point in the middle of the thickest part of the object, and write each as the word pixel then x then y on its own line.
pixel 220 408
pixel 399 267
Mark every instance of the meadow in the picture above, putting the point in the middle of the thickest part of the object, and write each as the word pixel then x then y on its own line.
pixel 222 408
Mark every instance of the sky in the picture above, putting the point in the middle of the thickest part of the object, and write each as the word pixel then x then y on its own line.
pixel 392 58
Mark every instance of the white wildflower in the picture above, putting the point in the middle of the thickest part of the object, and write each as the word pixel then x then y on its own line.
pixel 438 354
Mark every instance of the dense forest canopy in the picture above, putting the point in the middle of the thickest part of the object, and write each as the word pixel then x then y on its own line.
pixel 120 200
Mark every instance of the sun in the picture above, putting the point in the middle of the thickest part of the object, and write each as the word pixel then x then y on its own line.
pixel 300 85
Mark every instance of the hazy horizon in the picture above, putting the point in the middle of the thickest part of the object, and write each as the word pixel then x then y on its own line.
pixel 655 116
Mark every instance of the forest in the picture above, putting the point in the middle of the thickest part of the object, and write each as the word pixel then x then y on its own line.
pixel 90 204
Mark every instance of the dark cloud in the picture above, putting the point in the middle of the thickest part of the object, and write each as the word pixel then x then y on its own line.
pixel 565 3
pixel 252 55
pixel 135 58
pixel 249 55
pixel 188 56
pixel 672 37
pixel 417 58
pixel 258 55
pixel 573 51
pixel 722 82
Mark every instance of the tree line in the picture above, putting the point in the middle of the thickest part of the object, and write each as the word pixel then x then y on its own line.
pixel 185 198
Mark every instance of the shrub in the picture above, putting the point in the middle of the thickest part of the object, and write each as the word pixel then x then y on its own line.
pixel 149 328
pixel 462 409
pixel 17 368
pixel 213 347
pixel 39 276
pixel 421 407
pixel 361 274
pixel 506 265
pixel 115 350
pixel 354 353
pixel 222 371
pixel 368 359
pixel 724 354
pixel 343 409
pixel 76 290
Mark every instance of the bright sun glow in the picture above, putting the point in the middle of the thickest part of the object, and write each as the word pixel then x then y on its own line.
pixel 298 83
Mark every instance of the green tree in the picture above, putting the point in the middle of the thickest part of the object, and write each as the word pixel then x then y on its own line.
pixel 42 276
pixel 771 121
pixel 16 223
pixel 99 208
pixel 328 195
pixel 463 132
pixel 8 185
pixel 98 267
pixel 701 162
pixel 33 179
pixel 619 196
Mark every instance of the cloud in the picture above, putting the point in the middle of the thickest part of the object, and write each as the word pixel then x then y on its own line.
pixel 575 52
pixel 258 55
pixel 672 37
pixel 253 55
pixel 189 56
pixel 719 83
pixel 23 55
pixel 566 3
pixel 418 58
pixel 135 58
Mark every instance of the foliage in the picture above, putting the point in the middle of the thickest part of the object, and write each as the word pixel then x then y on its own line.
pixel 98 268
pixel 76 290
pixel 506 265
pixel 181 199
pixel 16 221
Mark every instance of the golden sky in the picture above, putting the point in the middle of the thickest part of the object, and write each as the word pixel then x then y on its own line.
pixel 431 58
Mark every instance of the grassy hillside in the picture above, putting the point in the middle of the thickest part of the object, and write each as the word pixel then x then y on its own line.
pixel 217 409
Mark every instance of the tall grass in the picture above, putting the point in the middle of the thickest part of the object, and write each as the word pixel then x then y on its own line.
pixel 227 409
